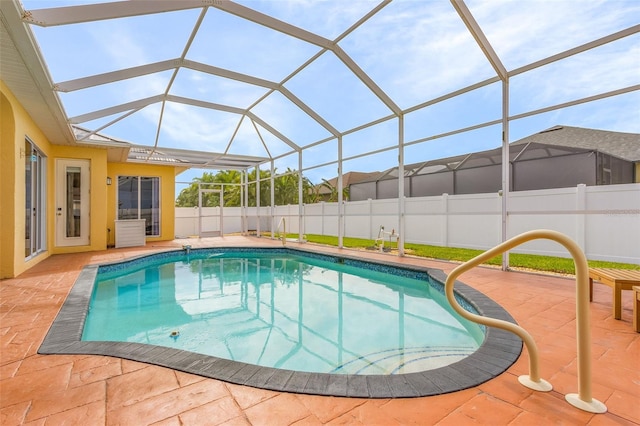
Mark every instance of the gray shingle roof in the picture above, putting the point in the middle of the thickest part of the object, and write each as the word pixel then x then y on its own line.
pixel 625 146
pixel 348 179
pixel 622 145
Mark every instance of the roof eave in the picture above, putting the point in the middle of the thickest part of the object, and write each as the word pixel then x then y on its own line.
pixel 39 92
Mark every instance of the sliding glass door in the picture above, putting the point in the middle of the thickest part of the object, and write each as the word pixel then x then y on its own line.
pixel 139 198
pixel 35 224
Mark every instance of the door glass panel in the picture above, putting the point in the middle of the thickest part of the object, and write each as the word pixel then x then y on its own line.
pixel 139 198
pixel 127 197
pixel 73 202
pixel 150 204
pixel 28 200
pixel 38 206
pixel 73 218
pixel 34 224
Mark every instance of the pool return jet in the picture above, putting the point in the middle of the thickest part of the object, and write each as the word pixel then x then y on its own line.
pixel 583 399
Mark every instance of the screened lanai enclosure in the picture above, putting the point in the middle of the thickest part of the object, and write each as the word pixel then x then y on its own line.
pixel 559 157
pixel 314 90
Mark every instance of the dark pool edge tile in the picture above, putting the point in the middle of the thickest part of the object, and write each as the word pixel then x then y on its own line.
pixel 245 373
pixel 261 377
pixel 317 384
pixel 378 386
pixel 357 386
pixel 448 380
pixel 496 354
pixel 400 387
pixel 278 380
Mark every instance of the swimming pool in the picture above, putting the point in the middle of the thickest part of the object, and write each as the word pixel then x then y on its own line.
pixel 281 309
pixel 312 327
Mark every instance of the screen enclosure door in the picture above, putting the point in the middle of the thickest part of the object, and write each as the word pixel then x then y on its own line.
pixel 210 204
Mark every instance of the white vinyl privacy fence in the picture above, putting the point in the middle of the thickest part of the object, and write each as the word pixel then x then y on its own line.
pixel 603 220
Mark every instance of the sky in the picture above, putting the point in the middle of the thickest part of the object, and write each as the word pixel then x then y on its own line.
pixel 414 51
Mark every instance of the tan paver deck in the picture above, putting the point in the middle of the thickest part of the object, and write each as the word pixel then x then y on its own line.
pixel 96 390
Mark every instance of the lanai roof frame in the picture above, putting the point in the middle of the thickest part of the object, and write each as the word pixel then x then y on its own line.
pixel 502 73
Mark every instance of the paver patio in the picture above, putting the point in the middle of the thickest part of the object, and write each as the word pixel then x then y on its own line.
pixel 96 390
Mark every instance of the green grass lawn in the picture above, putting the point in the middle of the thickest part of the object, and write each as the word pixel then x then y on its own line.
pixel 526 261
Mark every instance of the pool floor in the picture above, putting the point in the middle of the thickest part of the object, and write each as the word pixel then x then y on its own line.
pixel 498 352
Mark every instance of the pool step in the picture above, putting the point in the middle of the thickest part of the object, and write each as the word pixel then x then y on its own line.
pixel 404 360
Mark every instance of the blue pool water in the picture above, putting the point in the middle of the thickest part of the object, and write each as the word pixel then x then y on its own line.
pixel 282 309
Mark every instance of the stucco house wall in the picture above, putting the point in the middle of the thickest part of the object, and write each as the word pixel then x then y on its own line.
pixel 16 126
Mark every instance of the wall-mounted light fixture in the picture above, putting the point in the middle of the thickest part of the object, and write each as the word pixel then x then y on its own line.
pixel 108 180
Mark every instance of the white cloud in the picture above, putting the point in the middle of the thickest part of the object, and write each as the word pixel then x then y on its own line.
pixel 529 30
pixel 186 127
pixel 119 43
pixel 216 89
pixel 326 18
pixel 417 51
pixel 281 114
pixel 607 68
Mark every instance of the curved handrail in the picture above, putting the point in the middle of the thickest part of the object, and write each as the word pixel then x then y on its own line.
pixel 583 399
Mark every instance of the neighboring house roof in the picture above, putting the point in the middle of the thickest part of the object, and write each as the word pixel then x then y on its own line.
pixel 347 179
pixel 625 146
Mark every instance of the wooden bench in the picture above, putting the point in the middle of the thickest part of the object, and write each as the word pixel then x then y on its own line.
pixel 618 280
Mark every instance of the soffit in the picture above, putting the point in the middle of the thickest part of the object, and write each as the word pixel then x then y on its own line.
pixel 22 71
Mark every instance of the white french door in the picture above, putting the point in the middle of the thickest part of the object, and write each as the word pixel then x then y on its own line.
pixel 72 202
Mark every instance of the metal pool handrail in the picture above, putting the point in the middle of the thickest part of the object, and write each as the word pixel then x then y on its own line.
pixel 583 400
pixel 284 236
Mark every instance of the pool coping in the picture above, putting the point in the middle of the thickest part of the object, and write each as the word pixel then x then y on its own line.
pixel 496 354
